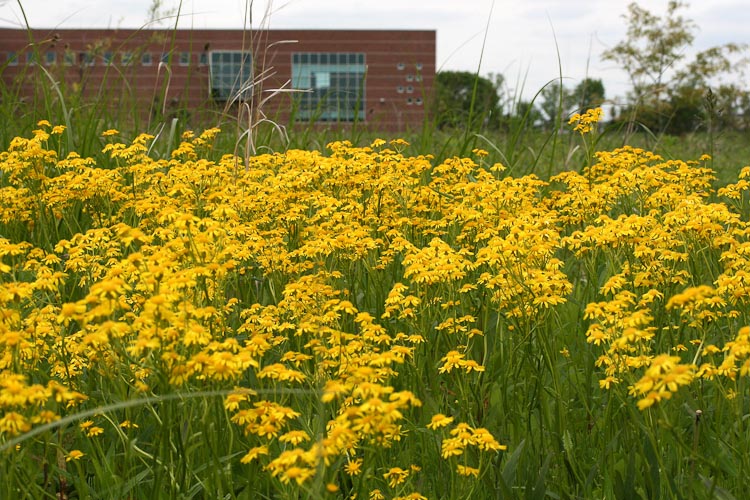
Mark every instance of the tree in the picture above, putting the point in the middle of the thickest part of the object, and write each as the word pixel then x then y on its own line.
pixel 555 101
pixel 588 94
pixel 666 94
pixel 556 98
pixel 465 99
pixel 652 47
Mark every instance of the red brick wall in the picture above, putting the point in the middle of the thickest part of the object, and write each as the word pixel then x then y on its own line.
pixel 391 58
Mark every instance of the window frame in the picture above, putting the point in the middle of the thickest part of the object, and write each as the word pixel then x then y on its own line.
pixel 225 84
pixel 332 86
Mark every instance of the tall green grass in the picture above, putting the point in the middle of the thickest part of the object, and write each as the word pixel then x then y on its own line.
pixel 562 427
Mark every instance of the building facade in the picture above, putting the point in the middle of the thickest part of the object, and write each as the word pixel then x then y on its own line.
pixel 378 78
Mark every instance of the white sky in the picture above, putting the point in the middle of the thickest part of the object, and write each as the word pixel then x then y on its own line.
pixel 520 41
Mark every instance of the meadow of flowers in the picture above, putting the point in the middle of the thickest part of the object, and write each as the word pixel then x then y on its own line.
pixel 366 323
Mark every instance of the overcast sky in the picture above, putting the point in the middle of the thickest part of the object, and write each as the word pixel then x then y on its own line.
pixel 520 40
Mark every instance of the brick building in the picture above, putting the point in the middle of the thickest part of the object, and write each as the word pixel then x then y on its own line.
pixel 377 77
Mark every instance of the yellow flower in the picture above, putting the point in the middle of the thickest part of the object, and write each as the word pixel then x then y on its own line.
pixel 45 417
pixel 298 474
pixel 294 437
pixel 73 455
pixel 13 423
pixel 438 421
pixel 94 431
pixel 607 382
pixel 254 453
pixel 376 495
pixel 485 441
pixel 585 122
pixel 396 476
pixel 411 496
pixel 353 467
pixel 232 401
pixel 465 470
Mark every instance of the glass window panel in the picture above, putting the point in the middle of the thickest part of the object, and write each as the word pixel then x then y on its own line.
pixel 230 73
pixel 333 83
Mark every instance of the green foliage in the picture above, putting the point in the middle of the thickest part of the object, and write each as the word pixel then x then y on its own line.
pixel 588 94
pixel 465 99
pixel 653 45
pixel 668 94
pixel 555 99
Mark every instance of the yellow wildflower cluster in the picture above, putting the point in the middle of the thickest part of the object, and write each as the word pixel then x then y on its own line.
pixel 336 301
pixel 655 300
pixel 585 123
pixel 183 272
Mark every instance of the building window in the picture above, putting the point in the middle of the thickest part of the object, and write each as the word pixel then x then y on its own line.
pixel 333 83
pixel 419 66
pixel 417 78
pixel 50 57
pixel 12 59
pixel 86 58
pixel 400 66
pixel 409 89
pixel 126 58
pixel 203 59
pixel 184 58
pixel 231 71
pixel 400 89
pixel 409 78
pixel 409 101
pixel 146 59
pixel 165 57
pixel 69 58
pixel 31 58
pixel 418 101
pixel 107 58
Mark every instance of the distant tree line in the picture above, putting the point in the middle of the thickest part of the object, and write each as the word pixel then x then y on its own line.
pixel 669 93
pixel 465 99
